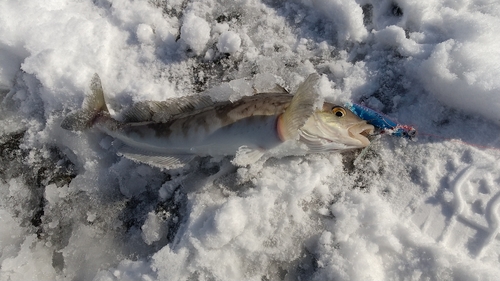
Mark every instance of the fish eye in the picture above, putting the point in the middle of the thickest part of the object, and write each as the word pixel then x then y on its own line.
pixel 338 111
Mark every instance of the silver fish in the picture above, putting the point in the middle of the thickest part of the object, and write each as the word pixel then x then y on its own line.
pixel 171 133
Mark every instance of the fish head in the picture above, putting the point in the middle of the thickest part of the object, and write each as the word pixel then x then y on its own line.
pixel 334 127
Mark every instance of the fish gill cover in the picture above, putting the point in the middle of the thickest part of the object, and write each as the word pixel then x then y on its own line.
pixel 73 210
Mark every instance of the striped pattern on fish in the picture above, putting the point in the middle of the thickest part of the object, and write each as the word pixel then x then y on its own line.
pixel 169 134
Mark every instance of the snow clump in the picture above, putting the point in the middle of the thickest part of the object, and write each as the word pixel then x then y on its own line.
pixel 229 42
pixel 195 31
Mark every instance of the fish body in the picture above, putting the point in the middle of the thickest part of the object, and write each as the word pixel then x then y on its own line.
pixel 169 134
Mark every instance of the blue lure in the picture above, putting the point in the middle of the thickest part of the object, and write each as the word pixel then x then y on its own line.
pixel 382 122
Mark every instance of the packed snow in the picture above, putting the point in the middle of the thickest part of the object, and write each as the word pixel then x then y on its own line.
pixel 429 209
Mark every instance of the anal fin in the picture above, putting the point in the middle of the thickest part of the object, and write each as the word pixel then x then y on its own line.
pixel 159 160
pixel 246 156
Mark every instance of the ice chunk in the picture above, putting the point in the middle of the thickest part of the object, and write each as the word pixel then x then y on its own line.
pixel 33 262
pixel 153 229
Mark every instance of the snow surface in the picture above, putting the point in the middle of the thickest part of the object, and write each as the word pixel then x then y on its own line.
pixel 70 209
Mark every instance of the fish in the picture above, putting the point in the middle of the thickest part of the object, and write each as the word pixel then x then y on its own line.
pixel 169 134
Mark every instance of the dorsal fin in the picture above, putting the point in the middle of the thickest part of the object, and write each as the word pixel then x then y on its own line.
pixel 163 111
pixel 277 89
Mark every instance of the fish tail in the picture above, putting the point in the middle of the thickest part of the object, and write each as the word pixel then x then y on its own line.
pixel 94 106
pixel 301 108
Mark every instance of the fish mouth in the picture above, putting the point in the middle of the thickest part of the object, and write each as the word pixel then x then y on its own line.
pixel 361 131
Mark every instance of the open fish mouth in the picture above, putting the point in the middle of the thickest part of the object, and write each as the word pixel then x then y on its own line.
pixel 361 131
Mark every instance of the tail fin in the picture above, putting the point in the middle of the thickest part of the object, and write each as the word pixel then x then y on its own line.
pixel 94 105
pixel 300 109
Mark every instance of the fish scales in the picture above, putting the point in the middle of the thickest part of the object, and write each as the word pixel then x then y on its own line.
pixel 208 120
pixel 206 128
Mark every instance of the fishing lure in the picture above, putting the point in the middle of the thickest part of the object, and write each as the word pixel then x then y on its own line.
pixel 382 122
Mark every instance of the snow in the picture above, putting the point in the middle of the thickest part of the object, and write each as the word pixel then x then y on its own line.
pixel 195 31
pixel 70 209
pixel 229 42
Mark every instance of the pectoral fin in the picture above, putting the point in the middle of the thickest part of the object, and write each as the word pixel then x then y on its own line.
pixel 302 106
pixel 155 159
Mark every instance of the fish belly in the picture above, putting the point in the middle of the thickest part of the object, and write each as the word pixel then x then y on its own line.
pixel 255 132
